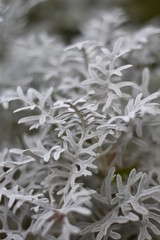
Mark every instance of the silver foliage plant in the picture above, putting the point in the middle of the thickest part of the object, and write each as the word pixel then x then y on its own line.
pixel 86 165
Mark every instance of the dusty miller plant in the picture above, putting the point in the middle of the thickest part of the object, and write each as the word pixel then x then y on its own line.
pixel 85 164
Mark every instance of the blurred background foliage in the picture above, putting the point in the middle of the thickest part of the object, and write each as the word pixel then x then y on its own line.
pixel 141 11
pixel 66 17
